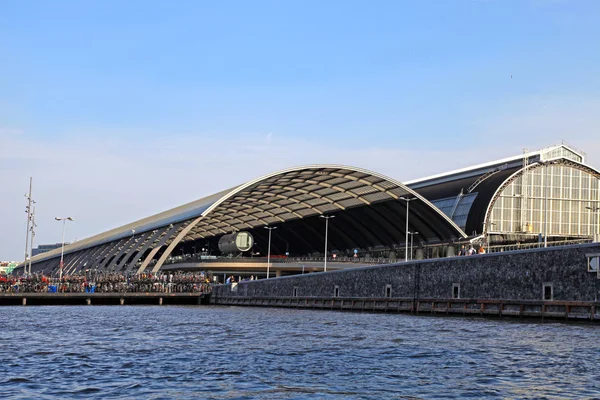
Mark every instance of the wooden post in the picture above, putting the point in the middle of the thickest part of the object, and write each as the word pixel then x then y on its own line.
pixel 24 301
pixel 160 301
pixel 122 301
pixel 88 301
pixel 543 311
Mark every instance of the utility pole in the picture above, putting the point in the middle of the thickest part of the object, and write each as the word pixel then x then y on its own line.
pixel 327 218
pixel 270 228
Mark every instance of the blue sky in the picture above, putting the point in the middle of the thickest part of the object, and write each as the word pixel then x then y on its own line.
pixel 123 109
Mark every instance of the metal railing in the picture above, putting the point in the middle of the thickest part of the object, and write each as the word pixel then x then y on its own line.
pixel 530 246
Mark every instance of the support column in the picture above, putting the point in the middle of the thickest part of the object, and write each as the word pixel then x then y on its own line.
pixel 111 254
pixel 144 237
pixel 155 250
pixel 142 250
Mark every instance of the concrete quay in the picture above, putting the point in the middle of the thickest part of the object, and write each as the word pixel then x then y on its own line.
pixel 556 310
pixel 54 299
pixel 559 282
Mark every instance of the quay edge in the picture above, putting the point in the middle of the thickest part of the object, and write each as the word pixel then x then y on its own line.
pixel 47 299
pixel 541 283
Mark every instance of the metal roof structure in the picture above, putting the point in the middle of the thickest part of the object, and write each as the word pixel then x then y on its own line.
pixel 466 194
pixel 371 210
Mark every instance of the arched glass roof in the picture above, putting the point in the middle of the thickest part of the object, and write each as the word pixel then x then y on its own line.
pixel 298 193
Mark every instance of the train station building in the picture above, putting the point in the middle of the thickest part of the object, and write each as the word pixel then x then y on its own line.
pixel 300 217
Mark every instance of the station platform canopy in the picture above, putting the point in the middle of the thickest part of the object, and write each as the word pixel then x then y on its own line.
pixel 370 210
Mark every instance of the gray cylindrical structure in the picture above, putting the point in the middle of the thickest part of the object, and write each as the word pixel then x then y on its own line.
pixel 419 254
pixel 236 242
pixel 450 251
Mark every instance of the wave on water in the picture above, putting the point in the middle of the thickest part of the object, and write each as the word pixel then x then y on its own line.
pixel 246 353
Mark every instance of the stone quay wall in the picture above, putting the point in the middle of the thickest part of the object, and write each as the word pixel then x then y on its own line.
pixel 533 274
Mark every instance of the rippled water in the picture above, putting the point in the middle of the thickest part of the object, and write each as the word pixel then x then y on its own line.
pixel 242 353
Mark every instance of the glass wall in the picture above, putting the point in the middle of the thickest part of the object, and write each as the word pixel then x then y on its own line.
pixel 456 208
pixel 559 192
pixel 561 152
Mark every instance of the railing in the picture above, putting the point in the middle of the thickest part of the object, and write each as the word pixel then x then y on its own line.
pixel 277 259
pixel 529 246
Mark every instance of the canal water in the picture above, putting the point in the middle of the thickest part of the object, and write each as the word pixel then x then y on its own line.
pixel 198 352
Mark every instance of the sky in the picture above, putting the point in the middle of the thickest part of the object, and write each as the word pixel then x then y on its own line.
pixel 122 109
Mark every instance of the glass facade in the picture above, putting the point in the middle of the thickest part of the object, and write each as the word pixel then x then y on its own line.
pixel 561 152
pixel 557 192
pixel 456 209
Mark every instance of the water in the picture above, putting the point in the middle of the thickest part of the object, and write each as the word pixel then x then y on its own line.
pixel 244 353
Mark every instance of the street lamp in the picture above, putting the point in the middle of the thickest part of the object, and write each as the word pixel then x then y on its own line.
pixel 270 228
pixel 412 234
pixel 327 217
pixel 595 209
pixel 407 200
pixel 62 251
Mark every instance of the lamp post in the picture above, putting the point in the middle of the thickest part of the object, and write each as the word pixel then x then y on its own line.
pixel 62 250
pixel 595 209
pixel 327 217
pixel 407 200
pixel 270 228
pixel 412 234
pixel 486 233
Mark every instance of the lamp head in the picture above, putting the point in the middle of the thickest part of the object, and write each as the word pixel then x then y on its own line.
pixel 70 218
pixel 56 218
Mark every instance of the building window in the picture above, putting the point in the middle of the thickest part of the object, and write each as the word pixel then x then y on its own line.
pixel 388 290
pixel 336 291
pixel 548 291
pixel 456 290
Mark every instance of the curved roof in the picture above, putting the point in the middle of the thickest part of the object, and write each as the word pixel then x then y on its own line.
pixel 484 214
pixel 302 192
pixel 292 194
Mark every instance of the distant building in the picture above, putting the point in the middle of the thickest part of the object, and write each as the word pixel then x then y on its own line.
pixel 43 248
pixel 6 267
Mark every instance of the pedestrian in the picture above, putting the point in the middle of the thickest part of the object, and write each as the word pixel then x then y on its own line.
pixel 472 251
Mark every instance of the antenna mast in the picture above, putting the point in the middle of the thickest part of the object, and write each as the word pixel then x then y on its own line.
pixel 28 211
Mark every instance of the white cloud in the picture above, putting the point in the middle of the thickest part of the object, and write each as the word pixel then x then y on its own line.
pixel 7 131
